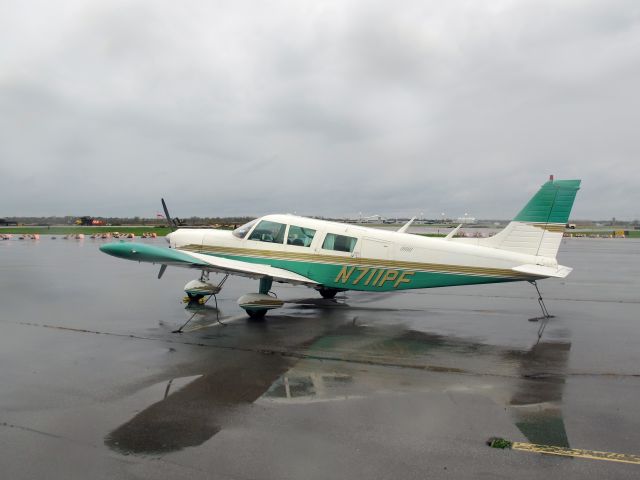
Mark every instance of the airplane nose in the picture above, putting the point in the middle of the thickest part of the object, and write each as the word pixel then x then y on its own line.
pixel 168 238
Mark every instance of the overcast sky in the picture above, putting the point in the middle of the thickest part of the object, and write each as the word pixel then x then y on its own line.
pixel 319 107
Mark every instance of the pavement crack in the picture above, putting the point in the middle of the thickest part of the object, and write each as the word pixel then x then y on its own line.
pixel 30 430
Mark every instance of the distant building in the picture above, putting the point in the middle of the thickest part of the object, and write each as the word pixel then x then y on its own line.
pixel 89 221
pixel 5 223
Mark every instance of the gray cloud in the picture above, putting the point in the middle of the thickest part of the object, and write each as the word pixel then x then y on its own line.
pixel 325 108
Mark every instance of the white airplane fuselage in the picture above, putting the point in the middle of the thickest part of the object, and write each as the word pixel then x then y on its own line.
pixel 380 260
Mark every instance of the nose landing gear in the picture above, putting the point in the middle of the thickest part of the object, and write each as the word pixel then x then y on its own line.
pixel 196 290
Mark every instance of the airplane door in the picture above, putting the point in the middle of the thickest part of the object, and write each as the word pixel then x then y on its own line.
pixel 374 248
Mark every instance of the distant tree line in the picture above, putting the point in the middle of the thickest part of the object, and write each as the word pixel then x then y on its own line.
pixel 70 220
pixel 194 221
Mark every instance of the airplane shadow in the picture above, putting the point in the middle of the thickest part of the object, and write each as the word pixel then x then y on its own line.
pixel 236 377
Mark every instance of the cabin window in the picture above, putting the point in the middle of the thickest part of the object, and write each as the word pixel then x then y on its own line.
pixel 267 231
pixel 340 243
pixel 242 231
pixel 301 237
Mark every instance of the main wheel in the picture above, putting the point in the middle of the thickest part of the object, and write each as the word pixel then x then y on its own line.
pixel 328 293
pixel 194 297
pixel 256 314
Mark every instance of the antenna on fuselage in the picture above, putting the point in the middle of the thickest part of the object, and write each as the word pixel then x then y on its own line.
pixel 453 232
pixel 406 226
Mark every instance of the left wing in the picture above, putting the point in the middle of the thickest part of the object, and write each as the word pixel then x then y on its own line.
pixel 141 252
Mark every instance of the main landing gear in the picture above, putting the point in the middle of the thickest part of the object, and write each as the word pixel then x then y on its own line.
pixel 258 304
pixel 327 292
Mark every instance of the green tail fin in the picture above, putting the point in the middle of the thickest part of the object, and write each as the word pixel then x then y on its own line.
pixel 552 203
pixel 538 228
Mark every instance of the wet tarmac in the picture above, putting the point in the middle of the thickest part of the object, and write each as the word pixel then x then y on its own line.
pixel 93 384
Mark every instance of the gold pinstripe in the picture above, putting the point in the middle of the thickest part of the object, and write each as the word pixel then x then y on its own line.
pixel 266 303
pixel 550 227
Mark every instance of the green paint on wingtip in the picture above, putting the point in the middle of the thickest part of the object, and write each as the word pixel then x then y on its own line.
pixel 148 253
pixel 551 204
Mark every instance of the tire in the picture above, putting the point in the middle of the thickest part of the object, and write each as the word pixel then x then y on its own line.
pixel 257 314
pixel 328 293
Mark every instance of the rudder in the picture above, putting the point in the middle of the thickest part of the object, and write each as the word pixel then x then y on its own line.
pixel 538 228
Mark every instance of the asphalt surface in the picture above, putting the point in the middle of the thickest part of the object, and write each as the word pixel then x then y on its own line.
pixel 93 384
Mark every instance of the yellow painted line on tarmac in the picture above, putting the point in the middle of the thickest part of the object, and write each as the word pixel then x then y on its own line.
pixel 576 452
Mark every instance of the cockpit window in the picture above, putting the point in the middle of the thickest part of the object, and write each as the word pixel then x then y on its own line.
pixel 301 237
pixel 339 243
pixel 242 231
pixel 267 231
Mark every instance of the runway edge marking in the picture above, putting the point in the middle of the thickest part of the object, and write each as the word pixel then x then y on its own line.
pixel 576 452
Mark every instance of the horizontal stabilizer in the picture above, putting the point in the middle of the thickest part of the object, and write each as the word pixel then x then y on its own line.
pixel 541 271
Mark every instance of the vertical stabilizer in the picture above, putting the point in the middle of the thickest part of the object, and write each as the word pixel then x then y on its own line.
pixel 538 228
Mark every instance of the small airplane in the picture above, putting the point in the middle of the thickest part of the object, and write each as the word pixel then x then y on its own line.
pixel 334 257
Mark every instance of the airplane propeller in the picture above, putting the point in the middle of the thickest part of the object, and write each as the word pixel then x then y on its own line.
pixel 171 223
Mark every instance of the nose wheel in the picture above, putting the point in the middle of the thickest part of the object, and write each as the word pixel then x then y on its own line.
pixel 194 296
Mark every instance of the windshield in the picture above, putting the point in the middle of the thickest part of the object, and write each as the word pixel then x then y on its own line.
pixel 267 231
pixel 242 231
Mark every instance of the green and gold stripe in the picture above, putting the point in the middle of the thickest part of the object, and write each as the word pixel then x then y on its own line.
pixel 550 227
pixel 351 261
